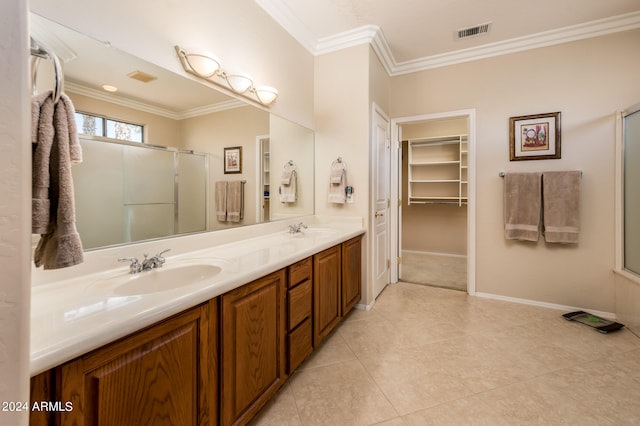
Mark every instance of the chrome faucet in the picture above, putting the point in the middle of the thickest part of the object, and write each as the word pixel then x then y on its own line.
pixel 154 262
pixel 147 264
pixel 294 229
pixel 135 266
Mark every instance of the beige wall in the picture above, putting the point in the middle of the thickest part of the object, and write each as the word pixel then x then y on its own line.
pixel 341 124
pixel 212 133
pixel 587 81
pixel 15 208
pixel 432 228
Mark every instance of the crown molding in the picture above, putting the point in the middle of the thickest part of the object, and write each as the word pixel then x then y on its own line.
pixel 373 35
pixel 151 109
pixel 548 38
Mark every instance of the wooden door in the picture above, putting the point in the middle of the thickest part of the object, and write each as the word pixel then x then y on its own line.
pixel 351 273
pixel 253 347
pixel 164 375
pixel 326 293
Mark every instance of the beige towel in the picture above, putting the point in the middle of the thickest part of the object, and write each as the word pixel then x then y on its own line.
pixel 234 201
pixel 60 246
pixel 337 186
pixel 288 192
pixel 221 200
pixel 561 206
pixel 522 193
pixel 42 137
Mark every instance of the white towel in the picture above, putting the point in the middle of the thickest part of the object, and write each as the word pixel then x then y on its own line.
pixel 288 191
pixel 337 185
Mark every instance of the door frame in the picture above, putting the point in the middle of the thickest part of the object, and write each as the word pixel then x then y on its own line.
pixel 396 191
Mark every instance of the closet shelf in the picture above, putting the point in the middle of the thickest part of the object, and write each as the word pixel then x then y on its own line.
pixel 437 170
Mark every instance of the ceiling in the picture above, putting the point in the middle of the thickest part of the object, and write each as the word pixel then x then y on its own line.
pixel 412 35
pixel 407 35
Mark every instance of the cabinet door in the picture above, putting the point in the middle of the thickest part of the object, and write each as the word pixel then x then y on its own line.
pixel 253 347
pixel 326 293
pixel 162 375
pixel 351 273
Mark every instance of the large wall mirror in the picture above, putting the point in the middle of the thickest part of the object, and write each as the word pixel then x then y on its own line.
pixel 206 161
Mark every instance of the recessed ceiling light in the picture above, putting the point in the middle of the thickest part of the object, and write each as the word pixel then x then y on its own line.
pixel 109 88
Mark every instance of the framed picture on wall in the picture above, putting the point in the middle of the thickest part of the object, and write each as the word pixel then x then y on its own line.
pixel 233 159
pixel 534 137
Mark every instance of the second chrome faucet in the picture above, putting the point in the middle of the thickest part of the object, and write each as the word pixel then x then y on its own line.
pixel 147 264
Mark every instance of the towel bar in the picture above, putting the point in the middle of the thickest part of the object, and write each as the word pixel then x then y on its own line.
pixel 501 174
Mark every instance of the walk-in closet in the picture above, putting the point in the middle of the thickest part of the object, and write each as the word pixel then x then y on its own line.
pixel 434 203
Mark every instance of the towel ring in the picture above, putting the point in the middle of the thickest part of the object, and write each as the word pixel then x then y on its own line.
pixel 40 51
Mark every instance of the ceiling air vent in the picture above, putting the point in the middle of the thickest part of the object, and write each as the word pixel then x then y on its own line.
pixel 473 31
pixel 141 76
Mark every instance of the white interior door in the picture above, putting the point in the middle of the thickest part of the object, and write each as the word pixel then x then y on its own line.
pixel 380 223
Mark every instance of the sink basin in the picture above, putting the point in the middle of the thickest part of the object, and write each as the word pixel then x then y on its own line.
pixel 162 279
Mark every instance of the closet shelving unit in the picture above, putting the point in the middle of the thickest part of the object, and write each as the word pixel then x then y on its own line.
pixel 438 170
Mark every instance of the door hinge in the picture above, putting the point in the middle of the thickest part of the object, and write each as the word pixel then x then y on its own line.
pixel 399 260
pixel 388 263
pixel 388 203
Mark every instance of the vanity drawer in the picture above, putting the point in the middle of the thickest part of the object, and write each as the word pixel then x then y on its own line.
pixel 300 344
pixel 299 272
pixel 299 304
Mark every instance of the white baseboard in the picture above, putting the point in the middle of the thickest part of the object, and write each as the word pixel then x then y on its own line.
pixel 431 253
pixel 607 315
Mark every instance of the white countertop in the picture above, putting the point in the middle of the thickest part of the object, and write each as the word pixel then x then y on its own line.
pixel 74 315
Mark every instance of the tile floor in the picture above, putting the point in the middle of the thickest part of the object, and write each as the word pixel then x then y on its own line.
pixel 431 356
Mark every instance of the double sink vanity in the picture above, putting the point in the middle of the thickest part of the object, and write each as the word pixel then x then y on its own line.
pixel 206 338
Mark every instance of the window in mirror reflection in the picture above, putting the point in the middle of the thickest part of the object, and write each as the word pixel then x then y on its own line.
pixel 93 125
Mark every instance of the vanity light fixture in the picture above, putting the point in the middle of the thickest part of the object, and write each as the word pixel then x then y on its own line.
pixel 208 67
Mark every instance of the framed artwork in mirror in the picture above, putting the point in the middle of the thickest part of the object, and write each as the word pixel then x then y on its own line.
pixel 534 137
pixel 233 159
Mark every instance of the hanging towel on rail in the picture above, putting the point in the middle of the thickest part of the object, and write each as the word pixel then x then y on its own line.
pixel 221 200
pixel 561 206
pixel 55 146
pixel 288 190
pixel 234 201
pixel 338 183
pixel 522 197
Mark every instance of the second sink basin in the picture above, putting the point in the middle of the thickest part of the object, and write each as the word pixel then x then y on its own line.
pixel 167 278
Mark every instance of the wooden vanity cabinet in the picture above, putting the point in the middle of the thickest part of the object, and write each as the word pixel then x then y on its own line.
pixel 299 312
pixel 351 273
pixel 252 351
pixel 337 282
pixel 160 375
pixel 326 293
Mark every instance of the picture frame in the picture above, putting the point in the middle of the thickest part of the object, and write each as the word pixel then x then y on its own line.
pixel 535 137
pixel 233 159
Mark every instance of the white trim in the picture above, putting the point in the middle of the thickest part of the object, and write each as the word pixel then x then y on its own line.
pixel 151 109
pixel 607 315
pixel 471 186
pixel 628 275
pixel 372 34
pixel 433 253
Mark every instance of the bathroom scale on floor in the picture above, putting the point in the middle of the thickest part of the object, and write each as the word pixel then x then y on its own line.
pixel 600 324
